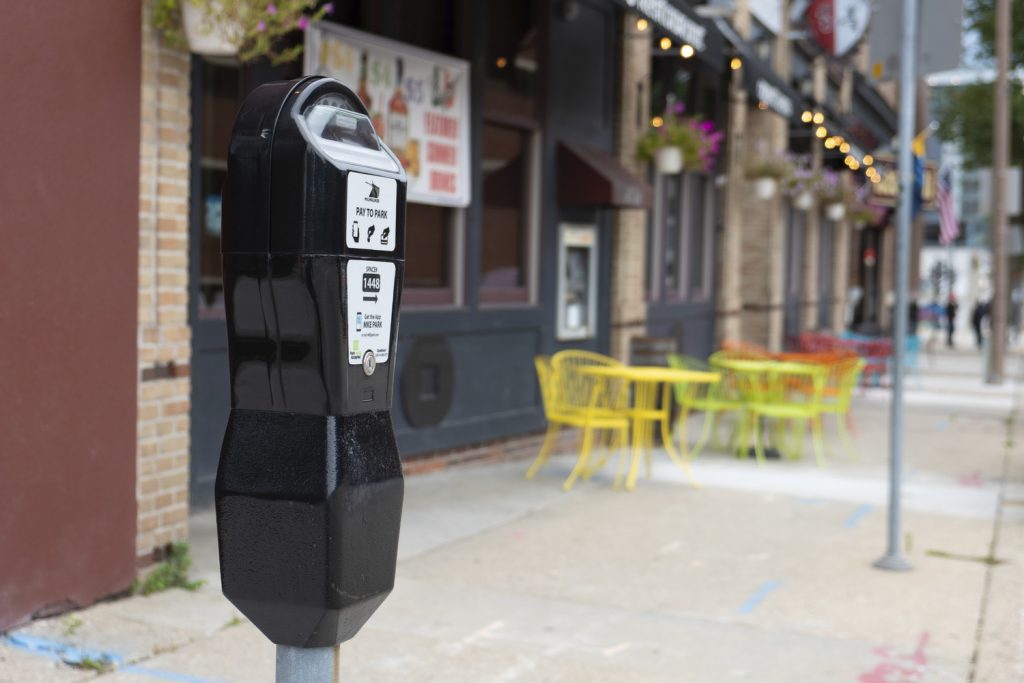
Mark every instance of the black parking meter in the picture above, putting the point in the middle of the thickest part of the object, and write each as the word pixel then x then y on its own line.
pixel 309 487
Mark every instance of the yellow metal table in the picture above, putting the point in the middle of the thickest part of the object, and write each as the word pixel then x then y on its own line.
pixel 644 411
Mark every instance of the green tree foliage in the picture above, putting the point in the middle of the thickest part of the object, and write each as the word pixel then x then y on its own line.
pixel 965 112
pixel 980 16
pixel 965 116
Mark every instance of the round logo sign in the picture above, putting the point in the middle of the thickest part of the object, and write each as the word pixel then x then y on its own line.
pixel 838 25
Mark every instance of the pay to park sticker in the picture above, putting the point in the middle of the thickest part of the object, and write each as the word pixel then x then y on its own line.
pixel 371 289
pixel 370 212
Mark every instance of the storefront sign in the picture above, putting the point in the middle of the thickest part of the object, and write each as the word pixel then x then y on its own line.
pixel 673 20
pixel 418 100
pixel 777 100
pixel 838 25
pixel 886 192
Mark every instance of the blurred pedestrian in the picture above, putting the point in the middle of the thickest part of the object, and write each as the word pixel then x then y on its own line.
pixel 978 316
pixel 951 306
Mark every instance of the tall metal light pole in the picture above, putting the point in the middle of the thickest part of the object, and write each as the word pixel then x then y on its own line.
pixel 997 239
pixel 893 558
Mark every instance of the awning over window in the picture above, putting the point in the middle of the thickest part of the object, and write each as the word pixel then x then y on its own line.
pixel 874 122
pixel 588 176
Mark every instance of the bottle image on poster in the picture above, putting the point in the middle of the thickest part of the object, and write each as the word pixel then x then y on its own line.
pixel 398 117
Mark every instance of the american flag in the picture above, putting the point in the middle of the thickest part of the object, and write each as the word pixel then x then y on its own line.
pixel 949 229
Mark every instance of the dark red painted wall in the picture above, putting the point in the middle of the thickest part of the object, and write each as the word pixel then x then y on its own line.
pixel 69 203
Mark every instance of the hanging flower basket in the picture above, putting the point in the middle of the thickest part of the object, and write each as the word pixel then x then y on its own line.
pixel 766 187
pixel 669 160
pixel 835 211
pixel 803 201
pixel 674 142
pixel 246 29
pixel 766 173
pixel 205 35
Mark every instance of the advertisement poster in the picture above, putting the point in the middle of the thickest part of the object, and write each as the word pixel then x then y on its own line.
pixel 418 101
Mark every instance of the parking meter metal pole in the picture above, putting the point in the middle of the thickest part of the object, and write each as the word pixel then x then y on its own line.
pixel 309 487
pixel 893 558
pixel 307 665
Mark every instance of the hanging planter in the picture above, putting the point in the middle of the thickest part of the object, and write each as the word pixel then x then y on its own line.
pixel 669 160
pixel 803 201
pixel 835 211
pixel 674 142
pixel 766 187
pixel 205 35
pixel 246 29
pixel 766 173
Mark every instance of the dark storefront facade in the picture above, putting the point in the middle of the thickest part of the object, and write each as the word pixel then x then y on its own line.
pixel 482 290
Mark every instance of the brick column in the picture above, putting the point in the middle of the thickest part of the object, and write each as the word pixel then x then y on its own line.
pixel 164 335
pixel 730 295
pixel 629 239
pixel 762 251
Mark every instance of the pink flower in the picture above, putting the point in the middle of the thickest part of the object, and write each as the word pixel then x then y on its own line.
pixel 271 9
pixel 329 8
pixel 303 23
pixel 261 27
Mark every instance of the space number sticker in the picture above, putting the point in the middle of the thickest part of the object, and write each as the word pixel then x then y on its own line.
pixel 371 289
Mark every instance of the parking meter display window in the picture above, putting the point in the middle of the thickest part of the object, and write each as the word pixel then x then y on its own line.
pixel 338 125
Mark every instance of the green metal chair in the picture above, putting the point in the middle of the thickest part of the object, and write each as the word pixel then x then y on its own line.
pixel 711 399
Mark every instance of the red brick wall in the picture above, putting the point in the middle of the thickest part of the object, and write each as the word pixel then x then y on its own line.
pixel 68 216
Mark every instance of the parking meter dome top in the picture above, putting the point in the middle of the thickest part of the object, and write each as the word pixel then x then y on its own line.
pixel 317 131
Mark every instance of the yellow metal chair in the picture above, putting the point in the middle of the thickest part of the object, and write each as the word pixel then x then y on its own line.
pixel 574 400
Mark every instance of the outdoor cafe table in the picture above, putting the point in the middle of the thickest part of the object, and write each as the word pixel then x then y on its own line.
pixel 644 411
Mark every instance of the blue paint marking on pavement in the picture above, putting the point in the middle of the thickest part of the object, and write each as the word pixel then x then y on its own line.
pixel 857 515
pixel 759 595
pixel 163 675
pixel 69 654
pixel 57 651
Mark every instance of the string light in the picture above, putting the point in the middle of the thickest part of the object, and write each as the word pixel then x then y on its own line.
pixel 686 51
pixel 854 165
pixel 868 160
pixel 641 25
pixel 830 143
pixel 819 118
pixel 806 117
pixel 821 132
pixel 845 148
pixel 502 62
pixel 657 122
pixel 736 63
pixel 666 43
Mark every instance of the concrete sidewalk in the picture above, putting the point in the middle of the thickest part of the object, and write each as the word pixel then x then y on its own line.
pixel 763 574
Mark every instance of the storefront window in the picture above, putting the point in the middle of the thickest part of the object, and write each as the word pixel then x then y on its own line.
pixel 680 238
pixel 506 214
pixel 428 242
pixel 220 101
pixel 512 58
pixel 699 237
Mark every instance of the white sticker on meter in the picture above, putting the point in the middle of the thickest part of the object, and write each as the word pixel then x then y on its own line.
pixel 370 215
pixel 371 289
